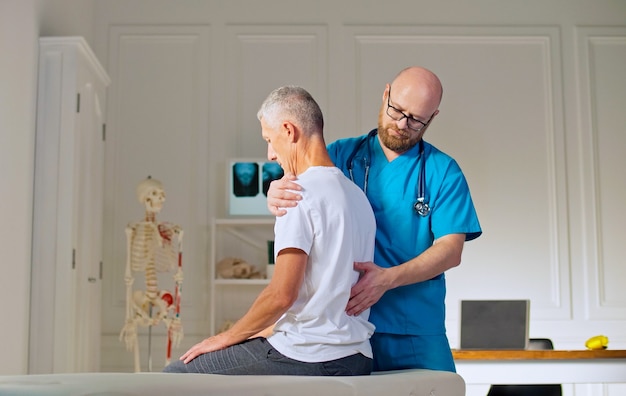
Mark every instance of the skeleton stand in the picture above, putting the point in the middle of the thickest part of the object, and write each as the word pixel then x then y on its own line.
pixel 152 247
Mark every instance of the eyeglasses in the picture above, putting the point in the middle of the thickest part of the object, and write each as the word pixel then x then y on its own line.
pixel 397 115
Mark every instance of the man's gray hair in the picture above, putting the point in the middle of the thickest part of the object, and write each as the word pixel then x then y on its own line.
pixel 295 104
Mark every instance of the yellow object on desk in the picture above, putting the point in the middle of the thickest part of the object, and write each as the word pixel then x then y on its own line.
pixel 597 342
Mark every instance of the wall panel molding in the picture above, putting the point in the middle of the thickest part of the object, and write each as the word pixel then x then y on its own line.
pixel 158 126
pixel 508 69
pixel 601 56
pixel 262 58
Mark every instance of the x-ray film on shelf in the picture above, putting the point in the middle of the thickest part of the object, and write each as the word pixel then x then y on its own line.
pixel 248 182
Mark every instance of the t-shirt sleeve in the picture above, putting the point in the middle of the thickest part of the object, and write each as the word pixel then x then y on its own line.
pixel 294 229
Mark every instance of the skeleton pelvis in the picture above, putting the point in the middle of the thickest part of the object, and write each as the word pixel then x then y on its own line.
pixel 143 302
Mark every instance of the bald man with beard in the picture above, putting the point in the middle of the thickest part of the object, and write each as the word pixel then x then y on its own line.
pixel 424 214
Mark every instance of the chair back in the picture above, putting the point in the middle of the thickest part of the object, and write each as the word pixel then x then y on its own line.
pixel 536 344
pixel 540 344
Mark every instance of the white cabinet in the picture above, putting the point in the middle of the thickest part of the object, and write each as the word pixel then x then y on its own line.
pixel 245 239
pixel 68 208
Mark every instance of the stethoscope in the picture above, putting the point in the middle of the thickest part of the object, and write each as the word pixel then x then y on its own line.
pixel 421 206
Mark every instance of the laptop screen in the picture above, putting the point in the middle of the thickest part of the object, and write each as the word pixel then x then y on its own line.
pixel 494 324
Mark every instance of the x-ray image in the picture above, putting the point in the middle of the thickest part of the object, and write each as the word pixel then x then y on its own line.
pixel 271 172
pixel 246 179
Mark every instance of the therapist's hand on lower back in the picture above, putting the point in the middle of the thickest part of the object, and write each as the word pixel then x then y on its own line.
pixel 279 197
pixel 368 290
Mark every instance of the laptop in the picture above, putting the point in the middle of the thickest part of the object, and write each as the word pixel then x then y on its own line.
pixel 494 324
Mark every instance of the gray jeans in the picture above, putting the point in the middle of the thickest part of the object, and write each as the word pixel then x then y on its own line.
pixel 257 357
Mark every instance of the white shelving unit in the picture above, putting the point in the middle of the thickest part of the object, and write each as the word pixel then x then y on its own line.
pixel 244 238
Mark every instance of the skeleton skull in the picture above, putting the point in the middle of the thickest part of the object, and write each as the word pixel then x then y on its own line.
pixel 150 193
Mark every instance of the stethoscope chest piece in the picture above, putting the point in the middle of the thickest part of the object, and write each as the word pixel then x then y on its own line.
pixel 421 207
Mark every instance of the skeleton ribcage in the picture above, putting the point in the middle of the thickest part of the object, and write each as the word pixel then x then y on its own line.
pixel 146 252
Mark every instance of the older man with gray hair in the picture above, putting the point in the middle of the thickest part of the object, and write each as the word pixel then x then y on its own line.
pixel 298 324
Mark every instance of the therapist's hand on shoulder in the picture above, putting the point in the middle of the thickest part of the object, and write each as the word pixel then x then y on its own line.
pixel 368 290
pixel 279 197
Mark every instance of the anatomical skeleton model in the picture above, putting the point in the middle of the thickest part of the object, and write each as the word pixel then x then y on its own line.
pixel 152 247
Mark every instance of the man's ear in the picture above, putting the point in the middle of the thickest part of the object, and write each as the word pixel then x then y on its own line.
pixel 290 131
pixel 385 93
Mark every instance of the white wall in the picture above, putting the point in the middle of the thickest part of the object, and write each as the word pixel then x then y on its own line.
pixel 21 24
pixel 18 68
pixel 67 18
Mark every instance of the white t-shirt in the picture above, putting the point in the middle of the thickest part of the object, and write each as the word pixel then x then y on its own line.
pixel 335 225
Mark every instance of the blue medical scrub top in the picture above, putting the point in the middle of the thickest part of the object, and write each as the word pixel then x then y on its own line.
pixel 402 234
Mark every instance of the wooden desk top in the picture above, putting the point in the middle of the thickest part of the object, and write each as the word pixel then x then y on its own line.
pixel 525 354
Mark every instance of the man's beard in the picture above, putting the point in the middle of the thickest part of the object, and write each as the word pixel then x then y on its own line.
pixel 399 144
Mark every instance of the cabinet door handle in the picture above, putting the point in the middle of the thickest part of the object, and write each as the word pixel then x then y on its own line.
pixel 91 279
